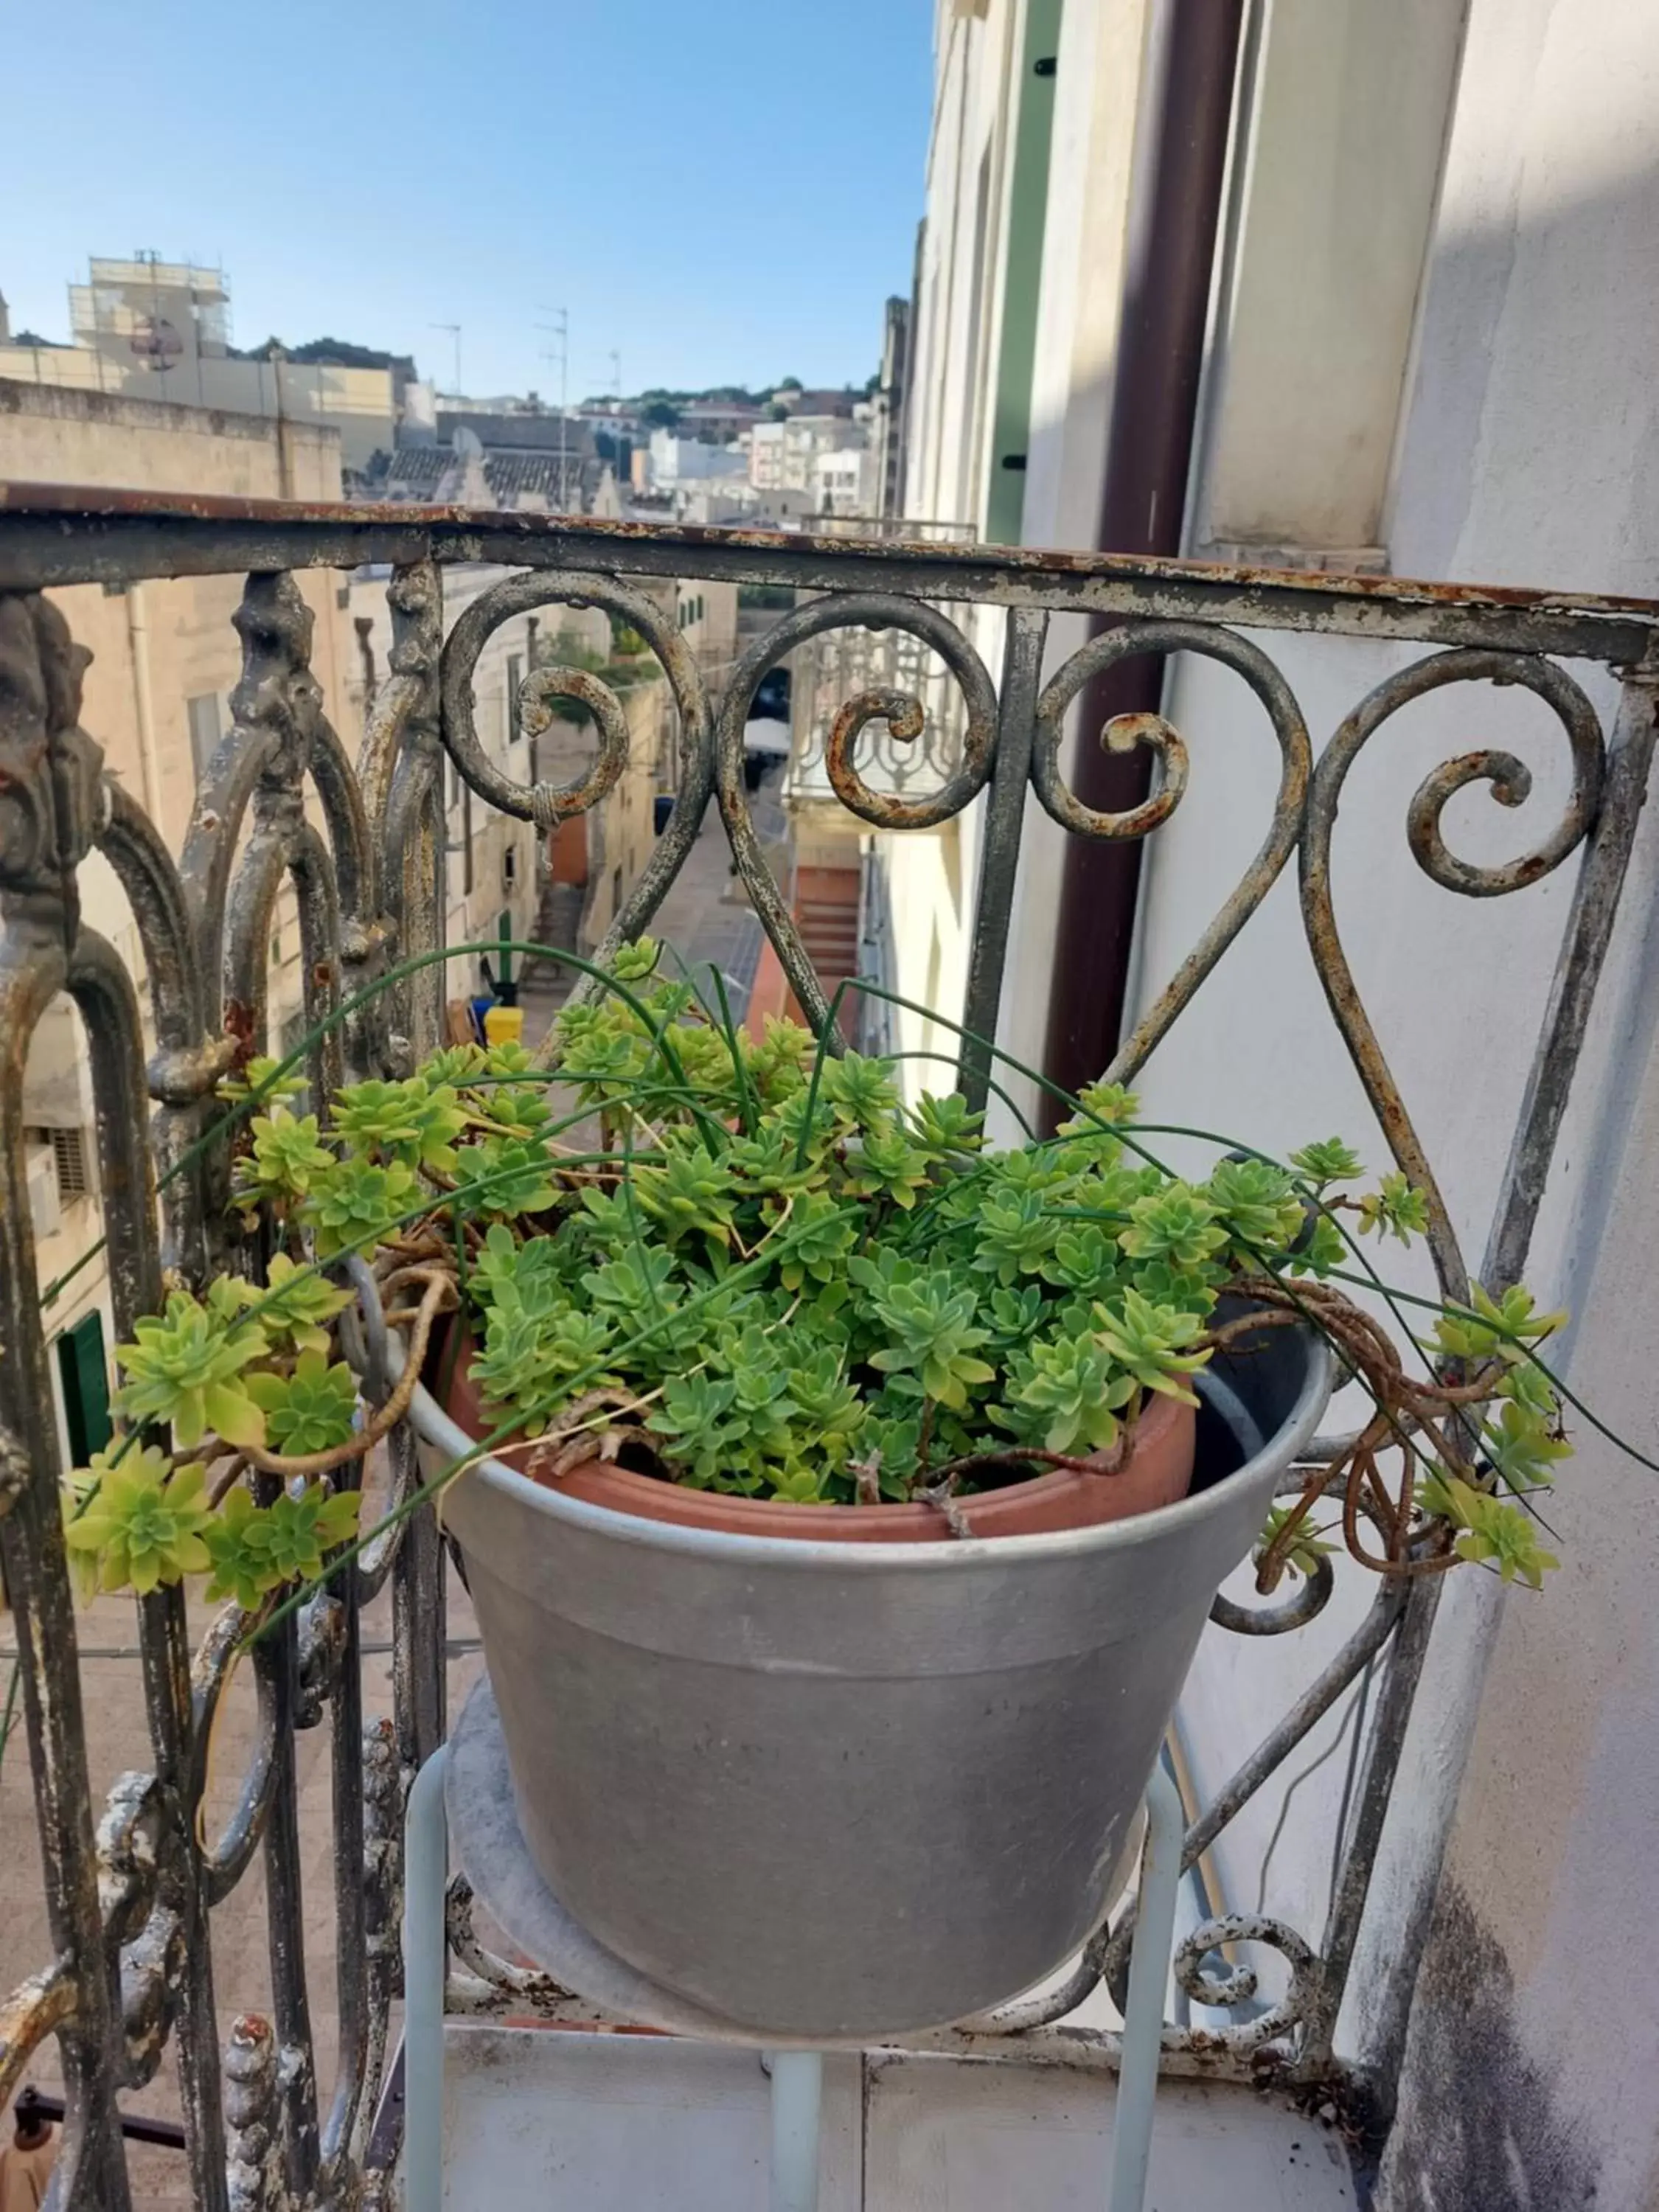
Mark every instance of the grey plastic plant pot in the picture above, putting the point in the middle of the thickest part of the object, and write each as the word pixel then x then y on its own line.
pixel 851 1790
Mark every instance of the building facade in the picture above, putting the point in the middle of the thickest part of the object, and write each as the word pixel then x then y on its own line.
pixel 676 458
pixel 782 455
pixel 161 689
pixel 159 329
pixel 844 481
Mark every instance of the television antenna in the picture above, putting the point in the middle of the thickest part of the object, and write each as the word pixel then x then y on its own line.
pixel 559 358
pixel 454 329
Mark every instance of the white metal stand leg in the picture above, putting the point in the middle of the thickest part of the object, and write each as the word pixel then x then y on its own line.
pixel 797 2075
pixel 426 1870
pixel 797 2109
pixel 1143 2017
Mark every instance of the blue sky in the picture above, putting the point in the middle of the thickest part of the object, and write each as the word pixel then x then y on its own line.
pixel 724 191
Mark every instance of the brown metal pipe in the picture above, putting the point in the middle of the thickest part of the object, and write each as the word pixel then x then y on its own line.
pixel 1187 75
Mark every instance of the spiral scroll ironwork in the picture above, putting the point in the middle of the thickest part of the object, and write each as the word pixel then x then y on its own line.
pixel 1311 1595
pixel 546 804
pixel 904 715
pixel 1123 734
pixel 1510 783
pixel 1238 1986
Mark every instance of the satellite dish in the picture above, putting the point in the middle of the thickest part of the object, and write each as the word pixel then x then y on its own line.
pixel 155 342
pixel 465 443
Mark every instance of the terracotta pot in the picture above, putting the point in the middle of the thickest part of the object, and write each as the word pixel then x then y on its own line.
pixel 1157 1472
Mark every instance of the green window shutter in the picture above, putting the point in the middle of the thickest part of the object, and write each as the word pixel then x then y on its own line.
pixel 1028 210
pixel 85 1375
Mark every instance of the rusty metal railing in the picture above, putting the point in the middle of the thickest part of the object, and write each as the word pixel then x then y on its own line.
pixel 130 1886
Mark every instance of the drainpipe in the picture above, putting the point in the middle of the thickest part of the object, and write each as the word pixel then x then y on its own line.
pixel 144 703
pixel 1189 68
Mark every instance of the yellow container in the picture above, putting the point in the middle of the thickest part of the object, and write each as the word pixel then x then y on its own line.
pixel 503 1024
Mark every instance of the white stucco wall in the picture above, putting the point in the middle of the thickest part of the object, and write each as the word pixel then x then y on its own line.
pixel 1526 454
pixel 1320 318
pixel 1526 451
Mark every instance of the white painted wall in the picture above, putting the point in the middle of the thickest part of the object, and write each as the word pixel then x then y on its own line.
pixel 685 460
pixel 1317 323
pixel 1526 454
pixel 1525 451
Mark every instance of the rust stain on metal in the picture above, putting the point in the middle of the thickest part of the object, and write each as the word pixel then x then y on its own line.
pixel 241 1027
pixel 75 506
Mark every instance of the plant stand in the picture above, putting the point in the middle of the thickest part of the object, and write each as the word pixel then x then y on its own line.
pixel 463 1794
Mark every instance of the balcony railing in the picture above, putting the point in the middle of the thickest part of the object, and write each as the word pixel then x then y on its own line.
pixel 130 1883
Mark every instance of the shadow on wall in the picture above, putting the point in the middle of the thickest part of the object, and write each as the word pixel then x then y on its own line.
pixel 1493 2137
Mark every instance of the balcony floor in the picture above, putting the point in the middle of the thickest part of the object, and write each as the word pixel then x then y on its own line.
pixel 625 2123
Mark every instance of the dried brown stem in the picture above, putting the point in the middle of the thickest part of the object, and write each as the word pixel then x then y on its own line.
pixel 1416 1416
pixel 440 1295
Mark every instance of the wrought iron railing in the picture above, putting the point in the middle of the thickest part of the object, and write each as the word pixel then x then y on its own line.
pixel 130 1885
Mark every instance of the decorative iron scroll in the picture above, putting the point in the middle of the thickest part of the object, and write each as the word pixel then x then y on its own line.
pixel 130 1888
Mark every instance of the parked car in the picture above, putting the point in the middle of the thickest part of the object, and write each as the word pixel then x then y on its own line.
pixel 771 700
pixel 765 746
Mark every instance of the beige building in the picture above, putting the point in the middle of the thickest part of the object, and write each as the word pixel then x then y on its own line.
pixel 705 615
pixel 844 480
pixel 165 661
pixel 615 841
pixel 160 330
pixel 782 455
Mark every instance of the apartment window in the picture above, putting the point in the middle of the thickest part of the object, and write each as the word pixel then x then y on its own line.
pixel 509 867
pixel 83 1371
pixel 69 1156
pixel 514 678
pixel 616 892
pixel 206 728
